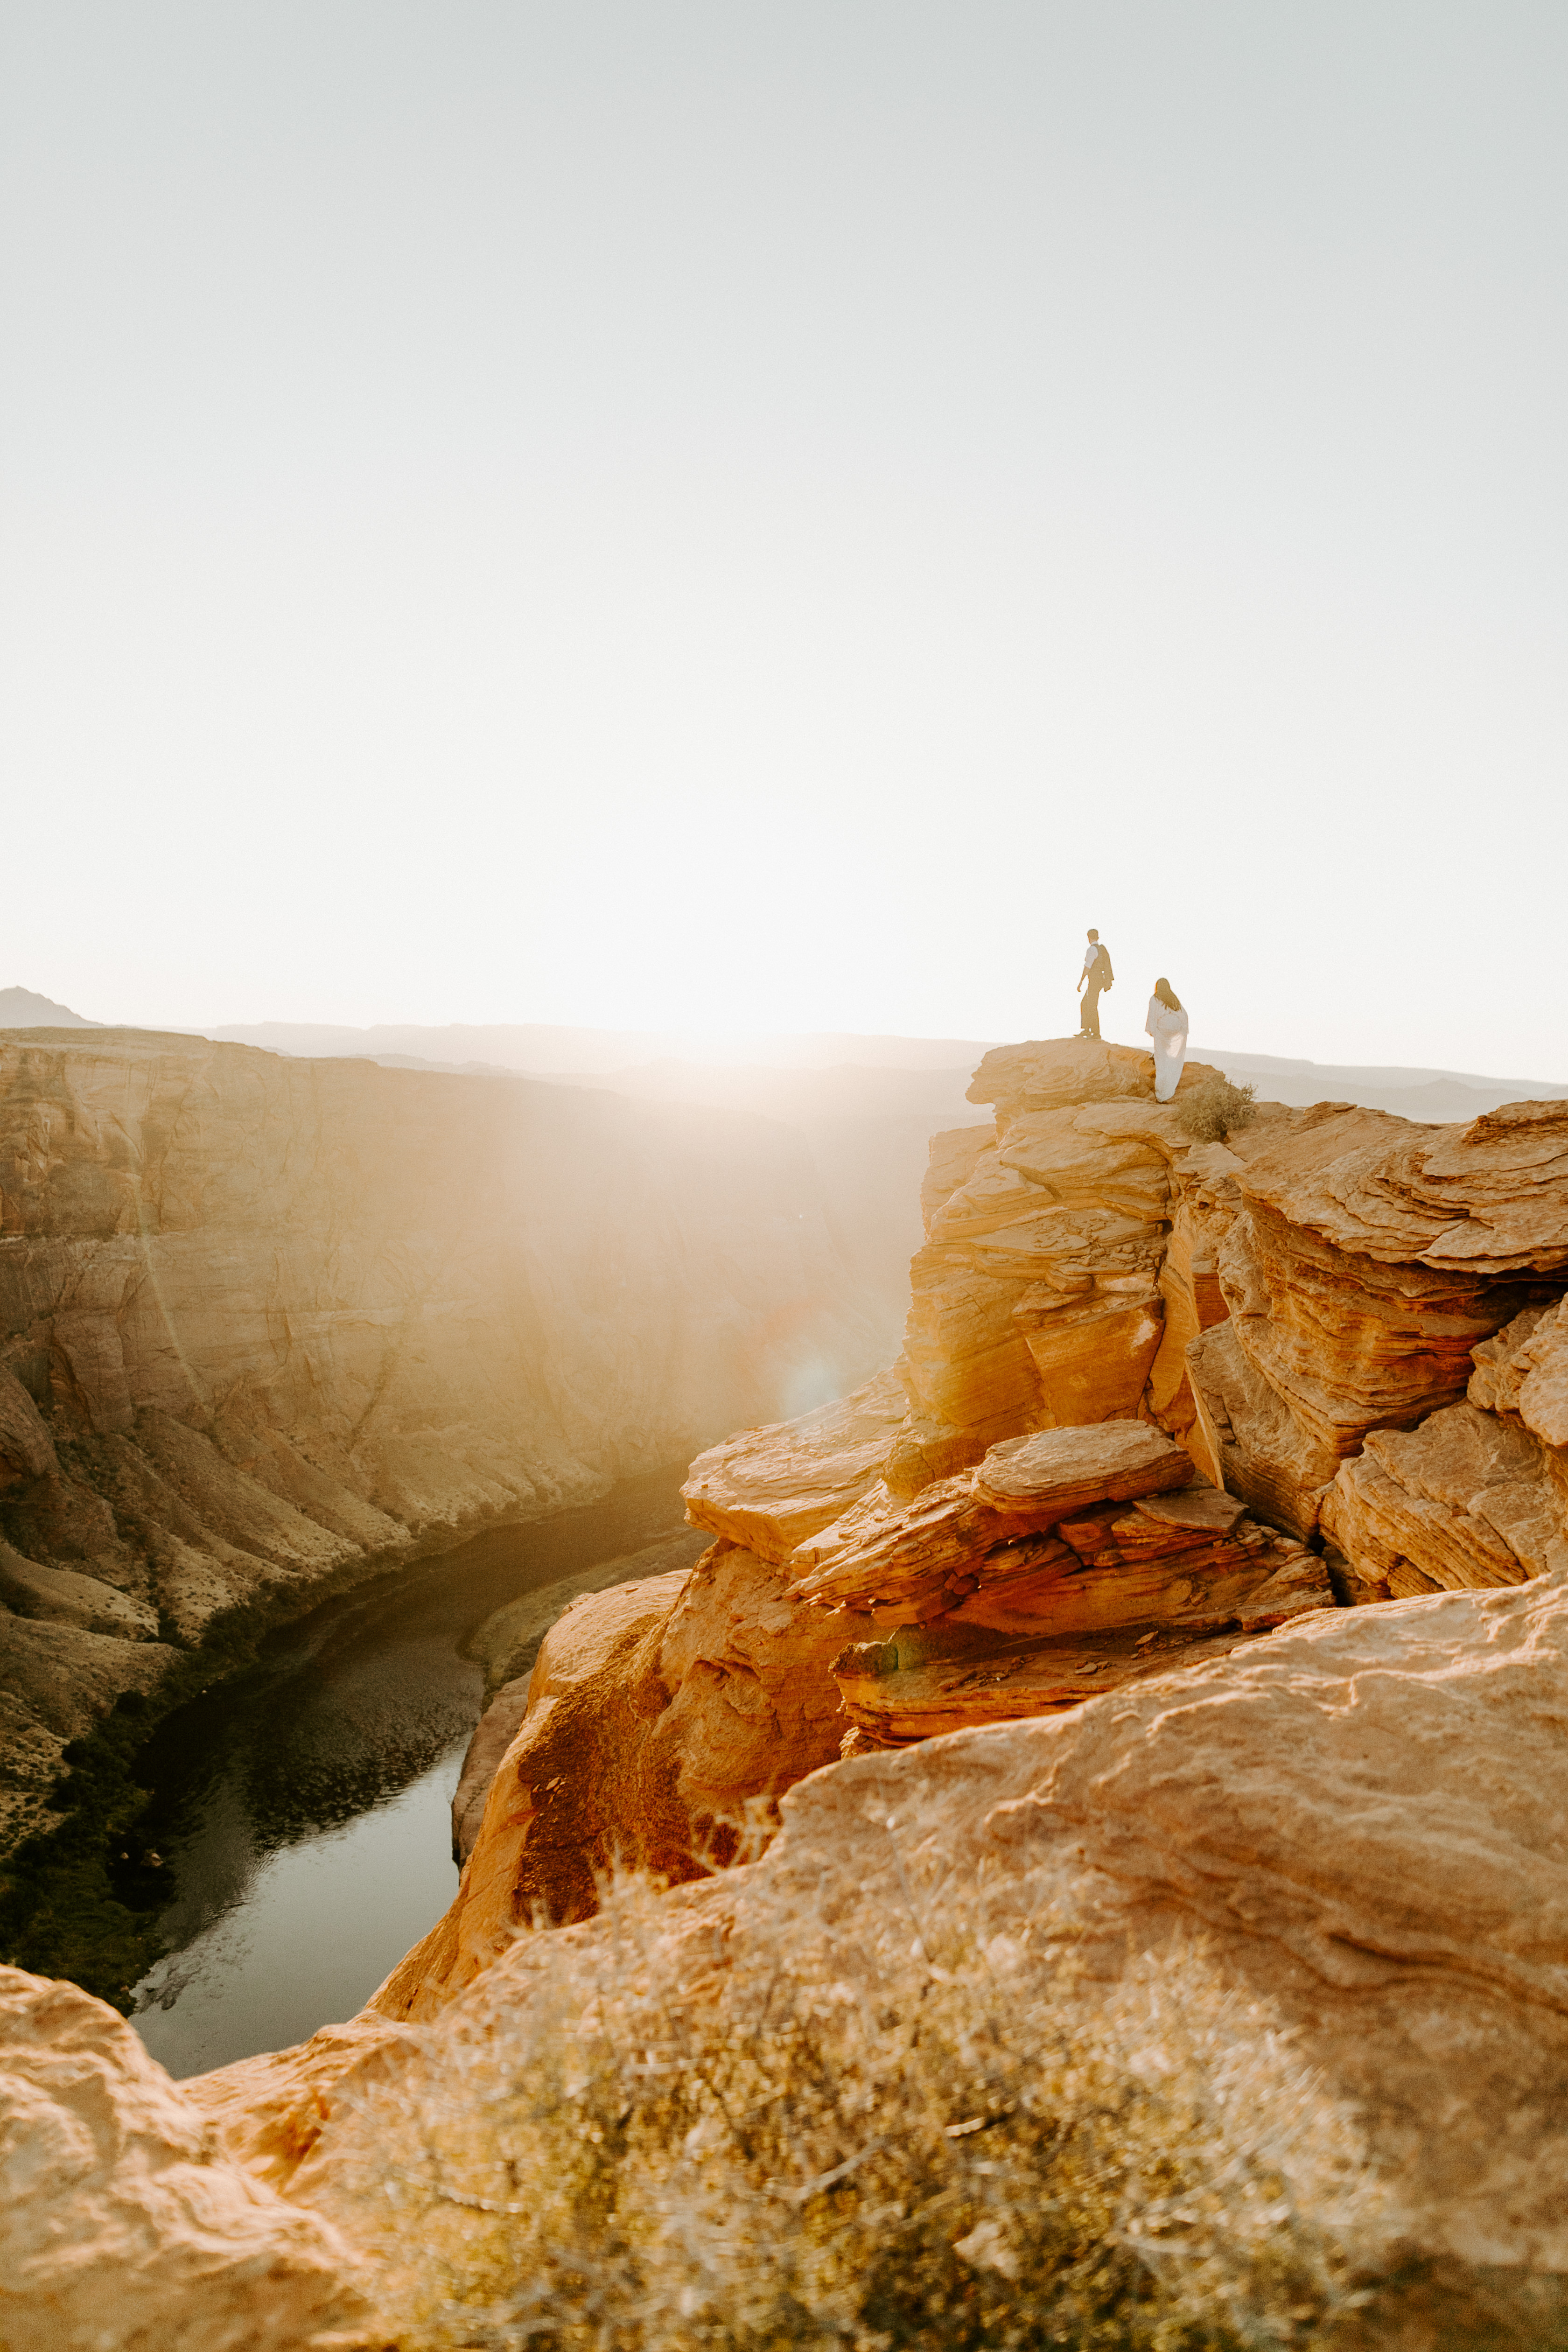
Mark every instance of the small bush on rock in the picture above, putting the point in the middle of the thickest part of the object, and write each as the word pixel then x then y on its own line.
pixel 909 2137
pixel 1210 1112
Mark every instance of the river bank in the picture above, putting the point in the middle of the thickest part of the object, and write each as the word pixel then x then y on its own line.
pixel 294 1741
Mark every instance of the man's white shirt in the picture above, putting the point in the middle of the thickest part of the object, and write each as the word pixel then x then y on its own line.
pixel 1090 954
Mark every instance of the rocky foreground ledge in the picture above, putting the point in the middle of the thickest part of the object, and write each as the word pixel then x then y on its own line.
pixel 1325 1871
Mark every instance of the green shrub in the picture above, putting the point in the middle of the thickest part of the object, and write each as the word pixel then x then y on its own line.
pixel 929 2143
pixel 1210 1111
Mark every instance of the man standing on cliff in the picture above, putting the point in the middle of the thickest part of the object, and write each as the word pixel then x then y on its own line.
pixel 1096 975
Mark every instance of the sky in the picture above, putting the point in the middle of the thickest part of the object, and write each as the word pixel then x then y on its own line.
pixel 690 514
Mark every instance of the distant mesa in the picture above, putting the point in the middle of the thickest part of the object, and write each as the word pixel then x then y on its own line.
pixel 24 1008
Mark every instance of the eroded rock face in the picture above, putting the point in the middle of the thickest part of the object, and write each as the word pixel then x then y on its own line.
pixel 507 1647
pixel 663 1721
pixel 1477 1495
pixel 1386 1907
pixel 770 1489
pixel 269 1325
pixel 1036 1301
pixel 1364 1262
pixel 1069 1563
pixel 122 2223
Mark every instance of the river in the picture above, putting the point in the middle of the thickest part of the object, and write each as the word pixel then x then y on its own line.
pixel 301 1808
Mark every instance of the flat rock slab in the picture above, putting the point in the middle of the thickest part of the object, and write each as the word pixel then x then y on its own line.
pixel 1112 1461
pixel 771 1489
pixel 1193 1506
pixel 925 1553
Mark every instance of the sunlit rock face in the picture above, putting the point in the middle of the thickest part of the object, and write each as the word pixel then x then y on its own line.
pixel 1365 1262
pixel 267 1325
pixel 1478 1493
pixel 1136 1367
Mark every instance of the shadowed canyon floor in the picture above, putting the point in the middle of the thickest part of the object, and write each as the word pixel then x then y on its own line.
pixel 1180 1624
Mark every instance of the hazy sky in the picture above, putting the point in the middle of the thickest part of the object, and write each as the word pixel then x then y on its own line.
pixel 693 512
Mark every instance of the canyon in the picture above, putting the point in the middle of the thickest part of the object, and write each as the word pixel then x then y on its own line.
pixel 1186 1601
pixel 271 1326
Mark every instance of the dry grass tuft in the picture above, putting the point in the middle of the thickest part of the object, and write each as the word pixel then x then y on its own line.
pixel 930 2131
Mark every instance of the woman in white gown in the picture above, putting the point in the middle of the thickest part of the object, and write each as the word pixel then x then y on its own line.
pixel 1167 1026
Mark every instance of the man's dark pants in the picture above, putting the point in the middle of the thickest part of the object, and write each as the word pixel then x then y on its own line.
pixel 1089 1005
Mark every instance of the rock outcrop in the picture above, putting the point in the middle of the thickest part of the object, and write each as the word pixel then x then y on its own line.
pixel 1363 1264
pixel 507 1646
pixel 868 1584
pixel 122 2222
pixel 1476 1495
pixel 268 1326
pixel 1385 1909
pixel 1136 1367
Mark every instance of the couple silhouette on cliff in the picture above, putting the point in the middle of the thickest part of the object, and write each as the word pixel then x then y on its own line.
pixel 1165 1021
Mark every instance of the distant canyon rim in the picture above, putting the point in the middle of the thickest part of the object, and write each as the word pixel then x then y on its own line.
pixel 1192 1581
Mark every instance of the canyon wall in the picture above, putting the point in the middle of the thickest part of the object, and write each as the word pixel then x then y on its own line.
pixel 268 1326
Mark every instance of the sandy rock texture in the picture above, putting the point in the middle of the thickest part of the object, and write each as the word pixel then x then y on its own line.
pixel 507 1646
pixel 1478 1493
pixel 1069 1563
pixel 124 2226
pixel 663 1722
pixel 1351 1830
pixel 1036 1300
pixel 664 1719
pixel 1364 1262
pixel 267 1326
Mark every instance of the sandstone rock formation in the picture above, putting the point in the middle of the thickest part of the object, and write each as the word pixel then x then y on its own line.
pixel 1036 1301
pixel 663 1719
pixel 1364 1262
pixel 1309 1293
pixel 1025 1586
pixel 122 2224
pixel 1385 1910
pixel 269 1325
pixel 507 1645
pixel 1478 1493
pixel 663 1722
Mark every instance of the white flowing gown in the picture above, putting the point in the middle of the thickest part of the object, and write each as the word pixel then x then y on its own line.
pixel 1169 1032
